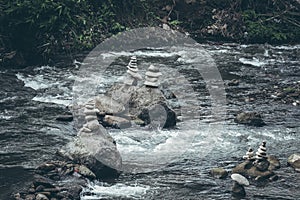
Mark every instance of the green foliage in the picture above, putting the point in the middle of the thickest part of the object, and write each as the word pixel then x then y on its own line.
pixel 175 22
pixel 48 26
pixel 262 28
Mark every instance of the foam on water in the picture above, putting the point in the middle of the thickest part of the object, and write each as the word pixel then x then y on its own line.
pixel 286 47
pixel 104 191
pixel 155 148
pixel 254 62
pixel 35 82
pixel 51 84
pixel 152 53
pixel 6 117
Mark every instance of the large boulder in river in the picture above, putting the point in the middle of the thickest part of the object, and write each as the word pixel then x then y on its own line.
pixel 107 105
pixel 96 149
pixel 100 156
pixel 150 105
pixel 294 161
pixel 121 93
pixel 249 118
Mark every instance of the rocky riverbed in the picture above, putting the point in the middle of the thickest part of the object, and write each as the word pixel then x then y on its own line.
pixel 259 79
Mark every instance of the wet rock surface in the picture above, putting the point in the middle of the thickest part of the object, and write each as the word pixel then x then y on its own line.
pixel 238 191
pixel 57 180
pixel 100 156
pixel 253 93
pixel 262 170
pixel 294 161
pixel 115 122
pixel 143 105
pixel 219 173
pixel 250 118
pixel 148 101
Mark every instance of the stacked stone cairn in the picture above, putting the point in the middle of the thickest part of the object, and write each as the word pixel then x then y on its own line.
pixel 152 77
pixel 261 160
pixel 132 73
pixel 261 152
pixel 259 166
pixel 249 155
pixel 91 118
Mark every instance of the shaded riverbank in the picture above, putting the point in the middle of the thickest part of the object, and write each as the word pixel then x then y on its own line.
pixel 40 33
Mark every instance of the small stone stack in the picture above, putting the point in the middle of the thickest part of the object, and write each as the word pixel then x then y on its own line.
pixel 249 155
pixel 152 76
pixel 261 160
pixel 261 152
pixel 132 73
pixel 90 117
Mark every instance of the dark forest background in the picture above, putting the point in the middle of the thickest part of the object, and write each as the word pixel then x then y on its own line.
pixel 36 31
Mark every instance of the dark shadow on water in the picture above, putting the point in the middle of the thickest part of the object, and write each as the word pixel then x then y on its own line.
pixel 14 179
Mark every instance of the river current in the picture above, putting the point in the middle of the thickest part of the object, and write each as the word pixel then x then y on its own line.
pixel 32 98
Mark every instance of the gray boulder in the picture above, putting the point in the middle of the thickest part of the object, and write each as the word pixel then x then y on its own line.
pixel 99 155
pixel 150 105
pixel 106 104
pixel 95 149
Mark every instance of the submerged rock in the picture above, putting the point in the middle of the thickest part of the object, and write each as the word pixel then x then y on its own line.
pixel 294 161
pixel 233 82
pixel 238 190
pixel 249 118
pixel 219 172
pixel 65 118
pixel 274 162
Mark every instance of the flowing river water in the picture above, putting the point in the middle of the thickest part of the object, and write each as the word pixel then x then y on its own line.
pixel 31 99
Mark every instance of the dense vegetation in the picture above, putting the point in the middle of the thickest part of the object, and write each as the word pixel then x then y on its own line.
pixel 32 31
